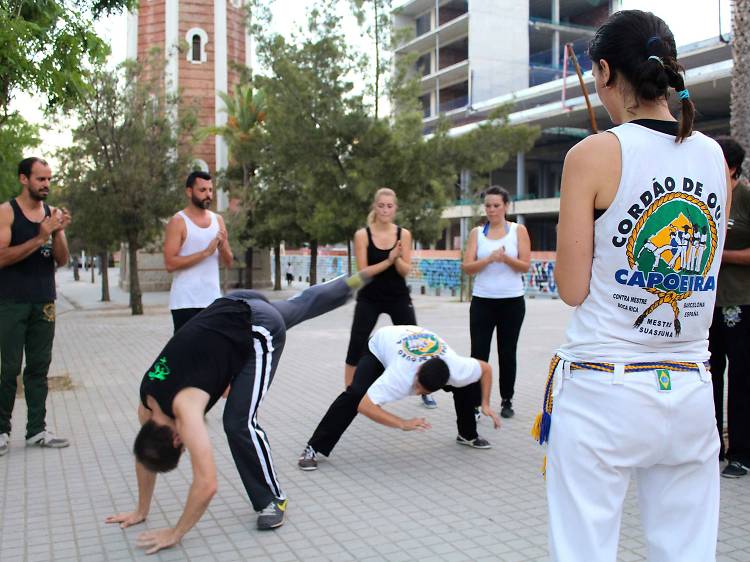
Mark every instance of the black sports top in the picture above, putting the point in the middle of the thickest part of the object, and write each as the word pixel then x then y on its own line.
pixel 205 353
pixel 666 127
pixel 388 284
pixel 32 279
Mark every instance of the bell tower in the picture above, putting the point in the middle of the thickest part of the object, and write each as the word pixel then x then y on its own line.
pixel 213 36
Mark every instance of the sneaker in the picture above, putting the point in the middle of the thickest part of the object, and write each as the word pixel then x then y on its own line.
pixel 273 515
pixel 307 460
pixel 735 469
pixel 428 402
pixel 477 442
pixel 47 439
pixel 477 414
pixel 506 411
pixel 4 440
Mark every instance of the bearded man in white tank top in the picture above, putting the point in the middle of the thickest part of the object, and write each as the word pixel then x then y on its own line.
pixel 194 242
pixel 631 390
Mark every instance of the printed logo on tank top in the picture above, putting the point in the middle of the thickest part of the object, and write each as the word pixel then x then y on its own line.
pixel 160 370
pixel 421 346
pixel 669 236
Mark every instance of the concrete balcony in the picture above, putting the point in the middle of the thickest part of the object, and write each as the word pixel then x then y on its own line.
pixel 446 33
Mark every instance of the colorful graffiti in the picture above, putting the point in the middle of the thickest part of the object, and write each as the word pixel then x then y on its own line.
pixel 429 276
pixel 540 280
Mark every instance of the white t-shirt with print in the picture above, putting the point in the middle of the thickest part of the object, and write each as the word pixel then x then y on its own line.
pixel 402 349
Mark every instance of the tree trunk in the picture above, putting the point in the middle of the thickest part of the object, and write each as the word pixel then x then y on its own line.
pixel 277 267
pixel 740 102
pixel 249 267
pixel 136 303
pixel 92 268
pixel 313 262
pixel 76 272
pixel 104 263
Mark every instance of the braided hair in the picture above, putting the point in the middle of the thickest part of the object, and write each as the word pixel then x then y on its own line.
pixel 641 47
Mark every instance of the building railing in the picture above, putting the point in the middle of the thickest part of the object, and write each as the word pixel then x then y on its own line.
pixel 450 105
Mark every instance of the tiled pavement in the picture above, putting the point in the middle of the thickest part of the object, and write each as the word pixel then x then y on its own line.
pixel 383 495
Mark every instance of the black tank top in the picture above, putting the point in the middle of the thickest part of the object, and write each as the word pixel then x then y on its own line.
pixel 387 285
pixel 32 279
pixel 205 353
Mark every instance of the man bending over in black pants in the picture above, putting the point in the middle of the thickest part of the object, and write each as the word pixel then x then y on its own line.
pixel 403 361
pixel 237 340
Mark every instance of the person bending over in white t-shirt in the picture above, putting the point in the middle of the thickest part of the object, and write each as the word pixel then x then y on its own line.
pixel 406 361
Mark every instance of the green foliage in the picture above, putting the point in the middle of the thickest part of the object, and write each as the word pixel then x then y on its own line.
pixel 16 136
pixel 131 151
pixel 46 45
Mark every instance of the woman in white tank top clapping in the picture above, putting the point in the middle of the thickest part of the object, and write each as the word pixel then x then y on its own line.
pixel 497 255
pixel 630 388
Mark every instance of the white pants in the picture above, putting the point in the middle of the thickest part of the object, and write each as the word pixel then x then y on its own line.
pixel 606 428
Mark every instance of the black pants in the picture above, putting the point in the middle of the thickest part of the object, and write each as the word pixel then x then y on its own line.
pixel 366 315
pixel 729 341
pixel 344 409
pixel 181 316
pixel 248 441
pixel 505 315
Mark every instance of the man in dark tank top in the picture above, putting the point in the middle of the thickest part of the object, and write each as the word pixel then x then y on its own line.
pixel 32 243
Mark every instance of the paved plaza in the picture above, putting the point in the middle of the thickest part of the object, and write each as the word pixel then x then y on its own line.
pixel 383 494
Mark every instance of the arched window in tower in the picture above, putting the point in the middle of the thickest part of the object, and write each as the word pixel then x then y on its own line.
pixel 196 54
pixel 196 39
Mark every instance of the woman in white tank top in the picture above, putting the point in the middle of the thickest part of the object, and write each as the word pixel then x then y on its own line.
pixel 497 255
pixel 631 391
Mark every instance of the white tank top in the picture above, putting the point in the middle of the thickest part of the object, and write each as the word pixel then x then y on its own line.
pixel 652 289
pixel 498 280
pixel 196 286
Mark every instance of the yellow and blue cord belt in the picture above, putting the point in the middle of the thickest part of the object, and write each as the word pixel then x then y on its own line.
pixel 543 421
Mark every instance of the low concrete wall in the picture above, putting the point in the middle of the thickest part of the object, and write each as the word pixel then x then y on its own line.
pixel 154 277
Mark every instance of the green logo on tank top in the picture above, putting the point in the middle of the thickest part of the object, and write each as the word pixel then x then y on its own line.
pixel 160 371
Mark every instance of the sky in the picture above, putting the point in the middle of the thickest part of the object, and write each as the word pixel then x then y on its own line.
pixel 690 21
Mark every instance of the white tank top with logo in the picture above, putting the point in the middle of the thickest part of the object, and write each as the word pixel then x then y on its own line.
pixel 657 251
pixel 196 286
pixel 498 280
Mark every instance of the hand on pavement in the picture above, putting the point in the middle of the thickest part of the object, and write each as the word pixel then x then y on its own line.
pixel 126 519
pixel 154 541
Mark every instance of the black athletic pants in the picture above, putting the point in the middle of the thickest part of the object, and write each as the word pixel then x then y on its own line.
pixel 180 316
pixel 505 315
pixel 344 409
pixel 729 341
pixel 366 315
pixel 248 441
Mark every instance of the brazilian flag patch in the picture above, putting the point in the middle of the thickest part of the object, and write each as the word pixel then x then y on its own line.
pixel 665 381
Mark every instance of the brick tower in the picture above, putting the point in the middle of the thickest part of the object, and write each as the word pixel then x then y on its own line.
pixel 214 38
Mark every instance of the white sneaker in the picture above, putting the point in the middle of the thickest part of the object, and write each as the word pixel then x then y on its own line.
pixel 48 440
pixel 4 440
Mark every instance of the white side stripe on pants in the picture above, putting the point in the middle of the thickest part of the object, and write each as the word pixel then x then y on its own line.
pixel 263 344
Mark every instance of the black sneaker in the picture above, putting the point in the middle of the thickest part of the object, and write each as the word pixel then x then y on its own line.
pixel 477 442
pixel 735 469
pixel 506 410
pixel 273 515
pixel 307 460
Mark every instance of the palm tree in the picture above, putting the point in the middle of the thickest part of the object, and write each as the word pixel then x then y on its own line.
pixel 740 103
pixel 243 130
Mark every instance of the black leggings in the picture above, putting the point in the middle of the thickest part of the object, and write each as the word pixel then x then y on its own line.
pixel 366 315
pixel 728 343
pixel 507 316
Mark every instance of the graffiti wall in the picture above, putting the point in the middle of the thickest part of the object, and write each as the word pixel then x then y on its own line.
pixel 430 275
